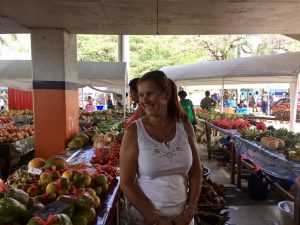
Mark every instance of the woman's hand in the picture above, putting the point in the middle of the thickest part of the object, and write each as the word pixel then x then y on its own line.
pixel 186 217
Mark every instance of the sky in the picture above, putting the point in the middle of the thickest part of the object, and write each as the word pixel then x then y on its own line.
pixel 19 49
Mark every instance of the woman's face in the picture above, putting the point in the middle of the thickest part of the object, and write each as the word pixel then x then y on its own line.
pixel 152 99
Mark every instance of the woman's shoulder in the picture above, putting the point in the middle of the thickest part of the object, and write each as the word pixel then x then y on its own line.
pixel 131 130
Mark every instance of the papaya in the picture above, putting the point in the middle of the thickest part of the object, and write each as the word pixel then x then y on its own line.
pixel 100 180
pixel 6 219
pixel 36 163
pixel 58 162
pixel 32 209
pixel 67 199
pixel 89 214
pixel 79 220
pixel 84 201
pixel 62 219
pixel 19 195
pixel 11 207
pixel 75 143
pixel 84 138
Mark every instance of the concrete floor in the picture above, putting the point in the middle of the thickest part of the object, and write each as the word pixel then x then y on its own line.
pixel 242 209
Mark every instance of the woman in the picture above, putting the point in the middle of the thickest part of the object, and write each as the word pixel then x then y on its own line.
pixel 89 105
pixel 160 166
pixel 187 106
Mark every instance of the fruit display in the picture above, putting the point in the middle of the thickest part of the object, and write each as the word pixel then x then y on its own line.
pixel 232 123
pixel 11 133
pixel 107 155
pixel 106 120
pixel 211 207
pixel 16 117
pixel 80 186
pixel 5 119
pixel 261 126
pixel 272 143
pixel 285 114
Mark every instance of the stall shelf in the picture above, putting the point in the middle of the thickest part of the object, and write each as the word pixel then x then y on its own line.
pixel 15 154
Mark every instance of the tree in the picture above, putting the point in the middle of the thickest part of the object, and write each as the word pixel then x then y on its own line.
pixel 101 48
pixel 220 47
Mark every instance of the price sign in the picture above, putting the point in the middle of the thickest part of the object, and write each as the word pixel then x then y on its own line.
pixel 53 208
pixel 35 171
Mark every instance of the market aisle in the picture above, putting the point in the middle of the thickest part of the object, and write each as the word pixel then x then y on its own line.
pixel 242 209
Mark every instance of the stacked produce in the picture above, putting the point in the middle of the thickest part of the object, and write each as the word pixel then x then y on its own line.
pixel 106 120
pixel 16 113
pixel 211 205
pixel 78 186
pixel 285 114
pixel 17 116
pixel 232 123
pixel 12 133
pixel 106 153
pixel 5 119
pixel 213 115
pixel 83 139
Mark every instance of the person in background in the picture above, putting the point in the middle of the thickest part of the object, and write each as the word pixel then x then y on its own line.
pixel 109 103
pixel 208 103
pixel 265 104
pixel 187 106
pixel 251 101
pixel 216 98
pixel 242 100
pixel 255 96
pixel 135 98
pixel 89 107
pixel 119 104
pixel 160 169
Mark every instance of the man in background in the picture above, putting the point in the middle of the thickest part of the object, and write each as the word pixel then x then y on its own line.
pixel 208 103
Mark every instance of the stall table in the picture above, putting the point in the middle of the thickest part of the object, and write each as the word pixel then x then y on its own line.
pixel 271 162
pixel 15 154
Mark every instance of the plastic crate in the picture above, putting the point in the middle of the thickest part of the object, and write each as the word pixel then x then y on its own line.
pixel 229 110
pixel 100 107
pixel 241 111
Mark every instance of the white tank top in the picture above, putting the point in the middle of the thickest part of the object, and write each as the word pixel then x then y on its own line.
pixel 163 169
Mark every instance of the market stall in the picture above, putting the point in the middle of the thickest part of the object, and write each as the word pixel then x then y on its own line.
pixel 274 151
pixel 18 74
pixel 280 68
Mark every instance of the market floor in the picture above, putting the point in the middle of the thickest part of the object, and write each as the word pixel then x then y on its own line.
pixel 242 209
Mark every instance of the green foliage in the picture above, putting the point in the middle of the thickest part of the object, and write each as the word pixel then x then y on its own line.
pixel 151 52
pixel 101 48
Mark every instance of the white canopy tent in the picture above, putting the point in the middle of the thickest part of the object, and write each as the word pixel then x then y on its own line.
pixel 280 68
pixel 18 74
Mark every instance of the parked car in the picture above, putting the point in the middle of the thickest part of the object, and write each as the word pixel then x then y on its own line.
pixel 282 104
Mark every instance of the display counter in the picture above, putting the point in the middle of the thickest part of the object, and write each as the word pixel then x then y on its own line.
pixel 15 154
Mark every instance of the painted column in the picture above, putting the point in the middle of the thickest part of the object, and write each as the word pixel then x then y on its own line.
pixel 55 90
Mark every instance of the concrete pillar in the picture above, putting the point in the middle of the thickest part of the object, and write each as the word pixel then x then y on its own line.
pixel 55 90
pixel 123 56
pixel 294 88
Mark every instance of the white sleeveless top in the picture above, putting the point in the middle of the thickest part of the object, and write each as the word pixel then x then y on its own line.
pixel 163 170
